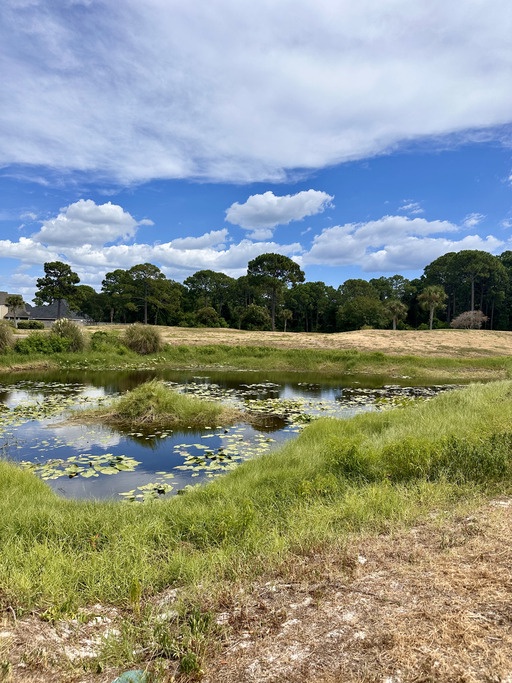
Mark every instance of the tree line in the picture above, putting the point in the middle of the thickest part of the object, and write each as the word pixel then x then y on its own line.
pixel 469 288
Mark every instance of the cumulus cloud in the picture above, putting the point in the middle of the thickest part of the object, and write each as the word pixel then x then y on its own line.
pixel 392 243
pixel 86 222
pixel 214 238
pixel 88 249
pixel 133 91
pixel 262 212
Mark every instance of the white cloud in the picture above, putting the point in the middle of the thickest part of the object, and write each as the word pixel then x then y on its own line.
pixel 86 222
pixel 411 207
pixel 243 91
pixel 262 212
pixel 177 259
pixel 473 219
pixel 213 238
pixel 392 243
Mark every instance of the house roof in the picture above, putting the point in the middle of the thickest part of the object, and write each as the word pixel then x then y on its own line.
pixel 50 312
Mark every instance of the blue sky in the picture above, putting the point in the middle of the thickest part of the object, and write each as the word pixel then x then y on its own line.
pixel 360 139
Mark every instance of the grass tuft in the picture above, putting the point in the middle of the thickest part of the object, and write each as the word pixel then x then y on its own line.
pixel 153 403
pixel 143 339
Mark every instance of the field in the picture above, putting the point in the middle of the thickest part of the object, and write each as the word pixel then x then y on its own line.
pixel 370 551
pixel 446 343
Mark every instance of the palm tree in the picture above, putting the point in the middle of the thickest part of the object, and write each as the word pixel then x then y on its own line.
pixel 396 309
pixel 13 303
pixel 430 299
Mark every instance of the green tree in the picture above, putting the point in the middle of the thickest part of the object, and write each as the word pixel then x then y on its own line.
pixel 87 301
pixel 145 278
pixel 432 298
pixel 58 283
pixel 14 302
pixel 208 288
pixel 394 287
pixel 355 287
pixel 255 318
pixel 116 287
pixel 273 273
pixel 361 311
pixel 396 309
pixel 472 279
pixel 313 305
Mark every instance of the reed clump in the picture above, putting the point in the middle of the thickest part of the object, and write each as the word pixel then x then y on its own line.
pixel 6 337
pixel 154 403
pixel 143 339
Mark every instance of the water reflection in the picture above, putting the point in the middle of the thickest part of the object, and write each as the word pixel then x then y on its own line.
pixel 33 428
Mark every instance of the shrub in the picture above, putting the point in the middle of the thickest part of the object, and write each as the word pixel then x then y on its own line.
pixel 6 337
pixel 40 342
pixel 469 320
pixel 188 320
pixel 208 317
pixel 105 341
pixel 67 329
pixel 30 325
pixel 255 318
pixel 143 339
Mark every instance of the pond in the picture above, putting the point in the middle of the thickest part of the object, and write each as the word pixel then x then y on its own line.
pixel 84 461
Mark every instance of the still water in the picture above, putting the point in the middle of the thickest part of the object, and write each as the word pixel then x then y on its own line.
pixel 84 461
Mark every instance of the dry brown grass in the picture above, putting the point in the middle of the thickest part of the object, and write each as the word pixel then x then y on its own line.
pixel 447 343
pixel 429 604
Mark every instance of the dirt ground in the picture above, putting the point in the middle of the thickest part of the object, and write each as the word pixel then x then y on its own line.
pixel 430 604
pixel 448 343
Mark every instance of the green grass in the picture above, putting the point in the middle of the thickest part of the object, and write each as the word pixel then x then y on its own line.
pixel 337 477
pixel 153 403
pixel 374 472
pixel 116 356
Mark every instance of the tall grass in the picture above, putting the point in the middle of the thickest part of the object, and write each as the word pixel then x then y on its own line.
pixel 109 351
pixel 143 339
pixel 72 333
pixel 373 471
pixel 153 403
pixel 6 337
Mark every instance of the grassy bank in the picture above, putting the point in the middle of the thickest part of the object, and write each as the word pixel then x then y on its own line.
pixel 373 472
pixel 330 362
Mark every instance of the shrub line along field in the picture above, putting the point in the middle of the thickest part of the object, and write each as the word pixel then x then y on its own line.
pixel 368 549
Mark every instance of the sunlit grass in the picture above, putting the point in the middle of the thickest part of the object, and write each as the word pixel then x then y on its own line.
pixel 153 403
pixel 372 471
pixel 108 352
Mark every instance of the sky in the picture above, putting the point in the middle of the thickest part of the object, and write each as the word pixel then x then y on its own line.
pixel 359 139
